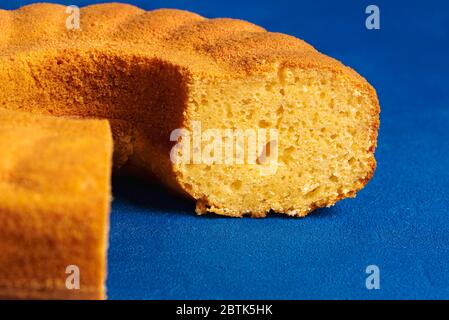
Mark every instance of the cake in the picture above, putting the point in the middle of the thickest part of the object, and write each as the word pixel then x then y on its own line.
pixel 241 120
pixel 54 206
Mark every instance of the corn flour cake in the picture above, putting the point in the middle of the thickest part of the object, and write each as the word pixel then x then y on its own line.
pixel 241 120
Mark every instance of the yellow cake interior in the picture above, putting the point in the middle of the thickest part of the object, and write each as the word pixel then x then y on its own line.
pixel 324 144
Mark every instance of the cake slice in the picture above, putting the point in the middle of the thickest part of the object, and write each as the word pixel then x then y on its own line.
pixel 54 206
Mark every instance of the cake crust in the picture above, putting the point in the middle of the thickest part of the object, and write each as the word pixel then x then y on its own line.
pixel 54 205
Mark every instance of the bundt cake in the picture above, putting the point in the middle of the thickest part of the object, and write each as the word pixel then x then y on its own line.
pixel 242 120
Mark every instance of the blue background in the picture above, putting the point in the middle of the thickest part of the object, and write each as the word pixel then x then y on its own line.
pixel 400 222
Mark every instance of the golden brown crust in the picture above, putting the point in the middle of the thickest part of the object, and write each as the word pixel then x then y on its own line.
pixel 222 46
pixel 54 205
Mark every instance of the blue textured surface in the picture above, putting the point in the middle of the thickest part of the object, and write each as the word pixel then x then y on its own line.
pixel 159 249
